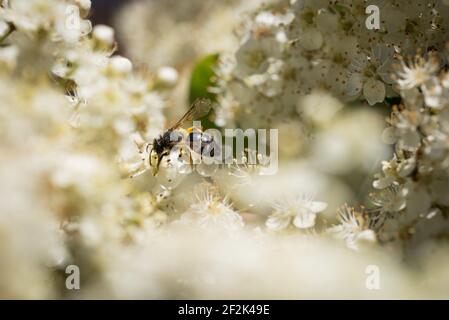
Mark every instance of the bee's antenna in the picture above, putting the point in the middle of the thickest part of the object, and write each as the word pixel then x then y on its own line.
pixel 140 143
pixel 148 144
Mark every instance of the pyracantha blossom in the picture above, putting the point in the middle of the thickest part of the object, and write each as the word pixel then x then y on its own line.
pixel 355 227
pixel 210 210
pixel 294 47
pixel 416 71
pixel 301 211
pixel 74 116
pixel 140 24
pixel 413 184
pixel 77 106
pixel 391 199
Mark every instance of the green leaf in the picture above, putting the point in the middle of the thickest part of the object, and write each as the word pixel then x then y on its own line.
pixel 201 80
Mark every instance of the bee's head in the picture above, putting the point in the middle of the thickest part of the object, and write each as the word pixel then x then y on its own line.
pixel 154 159
pixel 156 156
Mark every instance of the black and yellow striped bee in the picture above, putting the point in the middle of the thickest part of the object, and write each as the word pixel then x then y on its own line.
pixel 163 145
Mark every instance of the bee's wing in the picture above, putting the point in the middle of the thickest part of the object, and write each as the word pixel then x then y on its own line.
pixel 199 108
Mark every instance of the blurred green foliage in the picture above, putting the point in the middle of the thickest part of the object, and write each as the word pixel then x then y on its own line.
pixel 203 78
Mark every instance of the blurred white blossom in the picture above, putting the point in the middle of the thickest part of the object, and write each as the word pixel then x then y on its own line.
pixel 354 227
pixel 301 211
pixel 209 210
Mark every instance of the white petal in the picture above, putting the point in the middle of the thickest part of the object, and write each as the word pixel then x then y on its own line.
pixel 304 221
pixel 355 85
pixel 336 229
pixel 104 34
pixel 433 95
pixel 277 223
pixel 410 140
pixel 317 206
pixel 399 204
pixel 311 39
pixel 374 91
pixel 366 237
pixel 382 183
pixel 389 135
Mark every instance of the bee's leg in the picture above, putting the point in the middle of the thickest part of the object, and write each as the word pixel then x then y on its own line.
pixel 181 152
pixel 138 170
pixel 147 147
pixel 137 173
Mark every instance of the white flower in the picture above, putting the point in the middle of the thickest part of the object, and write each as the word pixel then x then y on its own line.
pixel 311 39
pixel 211 210
pixel 409 139
pixel 167 76
pixel 416 72
pixel 104 34
pixel 434 94
pixel 374 91
pixel 393 170
pixel 366 72
pixel 84 4
pixel 392 199
pixel 353 227
pixel 254 55
pixel 121 64
pixel 389 135
pixel 302 211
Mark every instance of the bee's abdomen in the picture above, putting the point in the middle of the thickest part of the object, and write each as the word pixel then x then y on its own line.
pixel 201 139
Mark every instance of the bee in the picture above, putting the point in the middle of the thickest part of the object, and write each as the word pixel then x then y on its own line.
pixel 163 145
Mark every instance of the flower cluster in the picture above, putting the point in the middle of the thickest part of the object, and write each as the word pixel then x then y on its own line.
pixel 413 185
pixel 209 25
pixel 70 111
pixel 289 50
